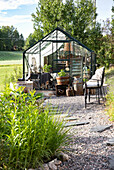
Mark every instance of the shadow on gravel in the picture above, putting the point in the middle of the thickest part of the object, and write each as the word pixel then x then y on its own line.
pixel 87 162
pixel 88 153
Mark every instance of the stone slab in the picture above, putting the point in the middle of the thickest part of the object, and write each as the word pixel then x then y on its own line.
pixel 110 142
pixel 75 124
pixel 61 115
pixel 111 162
pixel 100 128
pixel 70 118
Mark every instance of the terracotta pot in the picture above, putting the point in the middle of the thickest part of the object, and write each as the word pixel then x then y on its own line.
pixel 62 80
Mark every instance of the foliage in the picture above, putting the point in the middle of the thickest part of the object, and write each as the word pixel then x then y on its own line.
pixel 17 73
pixel 79 19
pixel 10 39
pixel 30 41
pixel 110 95
pixel 13 77
pixel 9 73
pixel 29 135
pixel 106 50
pixel 62 73
pixel 10 67
pixel 110 105
pixel 105 53
pixel 93 37
pixel 46 68
pixel 74 16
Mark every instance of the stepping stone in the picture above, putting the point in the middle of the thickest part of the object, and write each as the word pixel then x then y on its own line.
pixel 111 162
pixel 75 123
pixel 61 115
pixel 111 142
pixel 70 118
pixel 100 128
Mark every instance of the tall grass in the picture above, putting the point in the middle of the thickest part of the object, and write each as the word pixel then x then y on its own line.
pixel 110 95
pixel 9 73
pixel 110 105
pixel 29 135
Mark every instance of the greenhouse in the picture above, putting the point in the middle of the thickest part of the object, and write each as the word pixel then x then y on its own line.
pixel 61 51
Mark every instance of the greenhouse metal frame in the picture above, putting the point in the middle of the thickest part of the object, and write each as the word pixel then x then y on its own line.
pixel 60 50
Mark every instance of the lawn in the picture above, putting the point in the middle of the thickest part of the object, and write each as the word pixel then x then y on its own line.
pixel 10 62
pixel 10 57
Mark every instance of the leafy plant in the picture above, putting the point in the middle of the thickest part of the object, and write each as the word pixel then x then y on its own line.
pixel 13 77
pixel 29 134
pixel 110 95
pixel 62 73
pixel 39 95
pixel 110 105
pixel 46 68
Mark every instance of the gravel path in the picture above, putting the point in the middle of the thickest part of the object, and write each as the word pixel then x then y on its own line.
pixel 88 150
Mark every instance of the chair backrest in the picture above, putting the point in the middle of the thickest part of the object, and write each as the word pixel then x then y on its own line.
pixel 99 75
pixel 102 79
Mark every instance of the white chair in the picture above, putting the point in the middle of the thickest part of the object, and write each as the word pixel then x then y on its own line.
pixel 96 82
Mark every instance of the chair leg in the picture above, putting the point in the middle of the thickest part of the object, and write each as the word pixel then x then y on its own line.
pixel 89 94
pixel 85 94
pixel 98 97
pixel 101 93
pixel 96 94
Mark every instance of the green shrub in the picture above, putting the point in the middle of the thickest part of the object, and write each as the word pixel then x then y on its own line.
pixel 13 77
pixel 110 95
pixel 110 105
pixel 29 135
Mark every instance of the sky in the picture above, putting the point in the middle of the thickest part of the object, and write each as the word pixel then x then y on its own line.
pixel 18 13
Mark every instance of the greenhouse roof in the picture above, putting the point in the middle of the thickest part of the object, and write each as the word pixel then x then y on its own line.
pixel 56 37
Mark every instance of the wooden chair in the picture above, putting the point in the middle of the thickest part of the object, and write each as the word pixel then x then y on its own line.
pixel 96 82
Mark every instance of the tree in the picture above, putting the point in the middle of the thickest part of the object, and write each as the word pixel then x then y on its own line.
pixel 6 37
pixel 10 38
pixel 30 41
pixel 1 43
pixel 93 37
pixel 47 14
pixel 74 17
pixel 105 53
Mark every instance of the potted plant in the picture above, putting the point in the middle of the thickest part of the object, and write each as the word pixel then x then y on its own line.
pixel 47 68
pixel 62 79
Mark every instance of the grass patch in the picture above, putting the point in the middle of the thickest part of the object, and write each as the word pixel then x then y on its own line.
pixel 10 55
pixel 10 66
pixel 29 135
pixel 9 73
pixel 110 95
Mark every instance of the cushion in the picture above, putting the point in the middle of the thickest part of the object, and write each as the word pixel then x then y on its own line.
pixel 98 74
pixel 93 84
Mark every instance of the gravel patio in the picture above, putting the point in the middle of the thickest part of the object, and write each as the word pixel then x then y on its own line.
pixel 89 149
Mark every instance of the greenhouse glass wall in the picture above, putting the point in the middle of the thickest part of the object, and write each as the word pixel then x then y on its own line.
pixel 61 51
